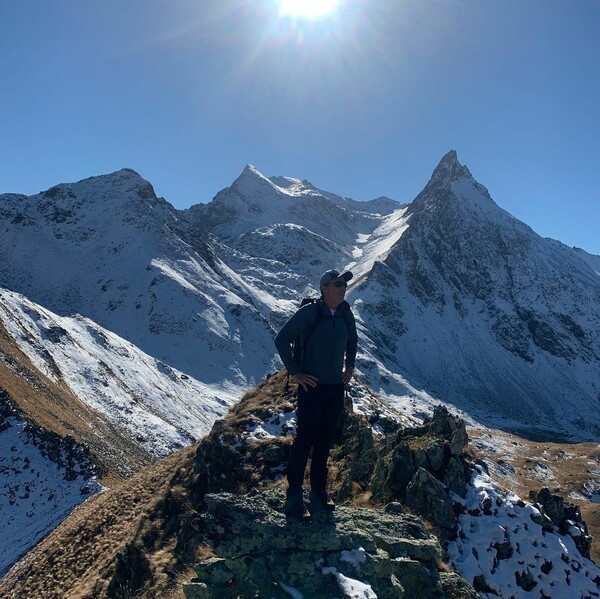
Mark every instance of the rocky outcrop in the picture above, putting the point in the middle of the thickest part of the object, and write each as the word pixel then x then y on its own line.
pixel 257 553
pixel 375 456
pixel 422 466
pixel 562 517
pixel 401 474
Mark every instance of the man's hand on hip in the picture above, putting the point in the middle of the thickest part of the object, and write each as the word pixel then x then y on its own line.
pixel 306 380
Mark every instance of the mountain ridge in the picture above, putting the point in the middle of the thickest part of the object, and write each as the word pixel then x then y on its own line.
pixel 217 506
pixel 226 275
pixel 459 257
pixel 137 309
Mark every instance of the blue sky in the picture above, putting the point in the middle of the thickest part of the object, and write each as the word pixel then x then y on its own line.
pixel 363 103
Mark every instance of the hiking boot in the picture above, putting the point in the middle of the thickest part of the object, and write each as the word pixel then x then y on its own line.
pixel 319 501
pixel 294 505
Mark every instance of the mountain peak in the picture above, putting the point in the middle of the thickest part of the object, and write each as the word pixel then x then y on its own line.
pixel 250 169
pixel 124 181
pixel 127 170
pixel 251 172
pixel 451 179
pixel 250 180
pixel 124 174
pixel 449 168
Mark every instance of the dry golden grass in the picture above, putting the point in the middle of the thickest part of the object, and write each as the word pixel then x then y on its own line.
pixel 177 585
pixel 261 401
pixel 77 560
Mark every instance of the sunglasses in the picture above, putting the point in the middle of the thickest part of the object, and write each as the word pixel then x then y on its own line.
pixel 339 284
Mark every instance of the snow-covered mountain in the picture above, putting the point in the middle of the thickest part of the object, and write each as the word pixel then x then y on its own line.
pixel 476 308
pixel 147 319
pixel 254 201
pixel 160 408
pixel 456 300
pixel 107 248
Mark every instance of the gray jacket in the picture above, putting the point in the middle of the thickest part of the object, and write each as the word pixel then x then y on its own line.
pixel 323 355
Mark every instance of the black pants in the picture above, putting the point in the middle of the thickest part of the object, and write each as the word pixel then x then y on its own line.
pixel 319 410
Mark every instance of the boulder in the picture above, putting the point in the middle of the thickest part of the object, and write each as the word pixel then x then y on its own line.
pixel 566 517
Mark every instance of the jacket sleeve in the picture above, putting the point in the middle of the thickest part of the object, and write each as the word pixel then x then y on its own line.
pixel 352 343
pixel 285 338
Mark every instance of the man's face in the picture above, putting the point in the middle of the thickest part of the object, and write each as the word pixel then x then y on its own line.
pixel 334 292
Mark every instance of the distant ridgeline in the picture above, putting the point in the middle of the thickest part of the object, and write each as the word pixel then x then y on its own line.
pixel 449 270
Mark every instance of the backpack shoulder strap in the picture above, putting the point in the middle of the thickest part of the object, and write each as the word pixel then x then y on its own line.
pixel 318 314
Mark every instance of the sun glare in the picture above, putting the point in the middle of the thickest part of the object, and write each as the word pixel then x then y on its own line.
pixel 309 9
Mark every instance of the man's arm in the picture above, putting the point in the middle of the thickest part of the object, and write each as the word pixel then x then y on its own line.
pixel 352 343
pixel 351 347
pixel 284 339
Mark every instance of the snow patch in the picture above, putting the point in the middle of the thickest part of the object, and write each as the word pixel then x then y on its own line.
pixel 36 494
pixel 278 425
pixel 354 589
pixel 499 541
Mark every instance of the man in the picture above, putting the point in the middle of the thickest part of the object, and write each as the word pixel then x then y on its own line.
pixel 325 365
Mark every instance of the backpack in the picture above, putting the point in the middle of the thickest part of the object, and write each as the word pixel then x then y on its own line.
pixel 299 347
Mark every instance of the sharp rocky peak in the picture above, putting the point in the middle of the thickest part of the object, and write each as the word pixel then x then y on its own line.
pixel 253 185
pixel 452 181
pixel 251 171
pixel 449 169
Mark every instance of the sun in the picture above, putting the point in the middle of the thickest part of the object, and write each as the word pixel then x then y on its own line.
pixel 309 9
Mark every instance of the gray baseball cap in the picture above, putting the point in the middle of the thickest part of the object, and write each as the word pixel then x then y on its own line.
pixel 331 275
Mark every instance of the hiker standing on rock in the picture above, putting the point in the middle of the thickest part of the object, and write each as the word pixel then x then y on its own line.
pixel 324 336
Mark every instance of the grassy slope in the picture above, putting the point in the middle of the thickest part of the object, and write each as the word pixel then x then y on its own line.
pixel 79 559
